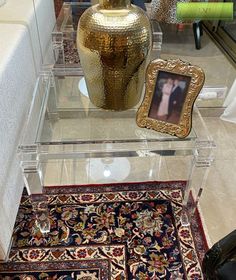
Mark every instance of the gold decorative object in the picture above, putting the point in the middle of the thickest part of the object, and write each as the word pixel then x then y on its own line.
pixel 171 89
pixel 114 40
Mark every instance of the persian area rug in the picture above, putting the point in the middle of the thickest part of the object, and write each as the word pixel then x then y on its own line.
pixel 101 232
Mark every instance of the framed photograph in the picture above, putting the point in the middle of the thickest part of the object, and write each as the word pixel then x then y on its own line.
pixel 172 86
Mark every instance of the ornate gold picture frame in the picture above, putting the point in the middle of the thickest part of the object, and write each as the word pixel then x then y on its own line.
pixel 171 89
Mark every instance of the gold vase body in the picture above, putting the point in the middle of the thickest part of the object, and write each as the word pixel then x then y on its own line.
pixel 114 40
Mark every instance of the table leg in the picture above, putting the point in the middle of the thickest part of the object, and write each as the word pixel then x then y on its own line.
pixel 41 213
pixel 32 175
pixel 202 161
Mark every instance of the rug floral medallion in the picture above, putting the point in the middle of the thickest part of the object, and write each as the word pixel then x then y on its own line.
pixel 117 231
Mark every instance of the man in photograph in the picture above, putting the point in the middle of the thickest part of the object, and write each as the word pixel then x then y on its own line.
pixel 175 103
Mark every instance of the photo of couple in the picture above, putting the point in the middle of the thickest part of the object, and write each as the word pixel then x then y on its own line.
pixel 169 97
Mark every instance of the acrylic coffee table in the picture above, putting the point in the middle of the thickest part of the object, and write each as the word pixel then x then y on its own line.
pixel 68 141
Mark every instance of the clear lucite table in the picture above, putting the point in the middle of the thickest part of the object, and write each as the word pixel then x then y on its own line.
pixel 68 141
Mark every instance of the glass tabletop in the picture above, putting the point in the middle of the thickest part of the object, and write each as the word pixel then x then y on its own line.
pixel 61 113
pixel 69 141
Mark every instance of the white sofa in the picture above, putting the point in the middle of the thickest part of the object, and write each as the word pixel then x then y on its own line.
pixel 17 79
pixel 25 36
pixel 39 18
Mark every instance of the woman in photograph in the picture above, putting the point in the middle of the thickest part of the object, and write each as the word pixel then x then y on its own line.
pixel 162 111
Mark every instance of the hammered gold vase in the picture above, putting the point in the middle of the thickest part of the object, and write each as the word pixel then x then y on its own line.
pixel 114 40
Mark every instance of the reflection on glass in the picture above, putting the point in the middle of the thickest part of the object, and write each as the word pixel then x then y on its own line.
pixel 230 28
pixel 114 169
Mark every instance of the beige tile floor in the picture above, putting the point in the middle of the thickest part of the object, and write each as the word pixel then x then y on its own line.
pixel 218 201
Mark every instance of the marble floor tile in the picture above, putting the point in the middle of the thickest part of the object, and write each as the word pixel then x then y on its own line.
pixel 223 135
pixel 218 200
pixel 65 172
pixel 231 131
pixel 179 167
